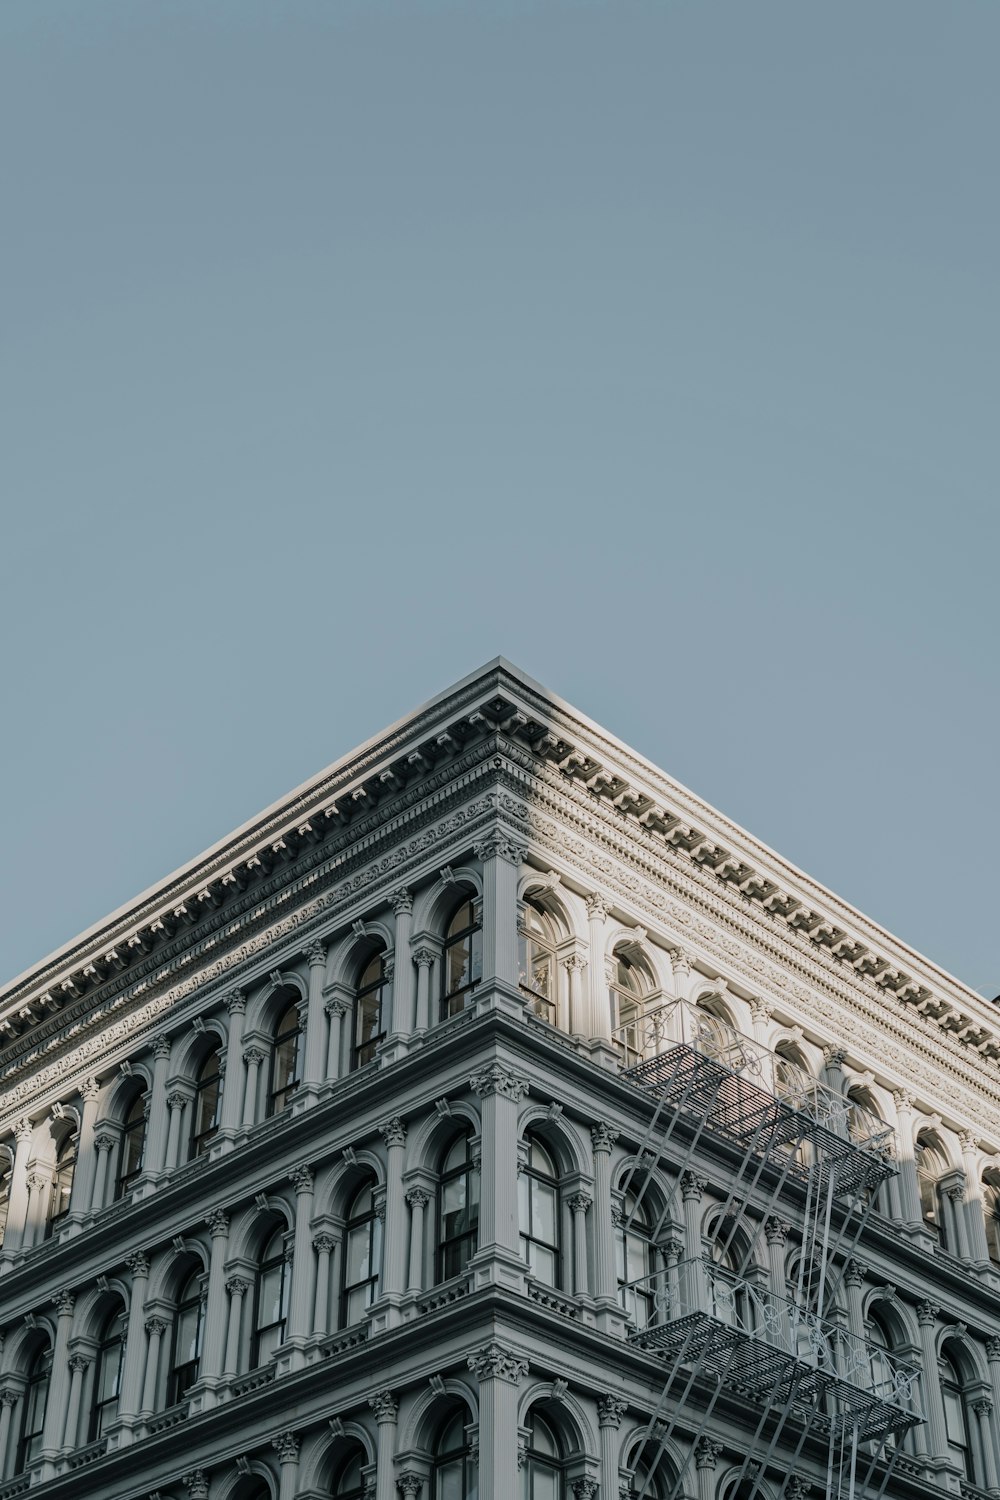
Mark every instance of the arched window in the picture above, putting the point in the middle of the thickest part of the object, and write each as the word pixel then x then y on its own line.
pixel 956 1417
pixel 185 1358
pixel 362 1255
pixel 537 970
pixel 931 1167
pixel 543 1461
pixel 538 1204
pixel 270 1300
pixel 715 1034
pixel 625 998
pixel 207 1102
pixel 62 1182
pixel 991 1212
pixel 349 1475
pixel 133 1144
pixel 458 1208
pixel 6 1174
pixel 731 1290
pixel 108 1374
pixel 654 1476
pixel 33 1404
pixel 636 1260
pixel 286 1060
pixel 792 1080
pixel 462 958
pixel 369 1021
pixel 455 1474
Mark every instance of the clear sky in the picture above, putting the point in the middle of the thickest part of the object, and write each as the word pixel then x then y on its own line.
pixel 653 345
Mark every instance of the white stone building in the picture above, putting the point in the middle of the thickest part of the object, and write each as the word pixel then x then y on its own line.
pixel 493 1118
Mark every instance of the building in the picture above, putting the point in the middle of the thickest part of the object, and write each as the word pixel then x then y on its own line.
pixel 493 1118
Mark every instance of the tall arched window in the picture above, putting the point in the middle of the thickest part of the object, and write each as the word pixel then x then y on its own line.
pixel 625 999
pixel 636 1262
pixel 792 1080
pixel 455 1474
pixel 458 1208
pixel 362 1255
pixel 62 1182
pixel 33 1404
pixel 369 1021
pixel 537 960
pixel 207 1109
pixel 185 1359
pixel 270 1300
pixel 932 1164
pixel 538 1205
pixel 958 1428
pixel 6 1173
pixel 991 1212
pixel 543 1461
pixel 133 1144
pixel 715 1034
pixel 286 1059
pixel 462 958
pixel 349 1475
pixel 108 1374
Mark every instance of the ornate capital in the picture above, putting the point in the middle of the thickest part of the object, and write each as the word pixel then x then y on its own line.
pixel 336 1008
pixel 584 1488
pixel 796 1488
pixel 237 1287
pixel 707 1453
pixel 218 1222
pixel 776 1230
pixel 9 1398
pixel 323 1243
pixel 497 1080
pixel 498 846
pixel 103 1142
pixel 78 1363
pixel 23 1129
pixel 287 1447
pixel 65 1303
pixel 401 900
pixel 580 1203
pixel 253 1057
pixel 968 1140
pixel 602 1136
pixel 834 1057
pixel 983 1407
pixel 161 1047
pixel 575 964
pixel 409 1484
pixel 175 1101
pixel 316 958
pixel 927 1313
pixel 597 907
pixel 855 1273
pixel 384 1405
pixel 495 1362
pixel 301 1178
pixel 90 1091
pixel 137 1263
pixel 155 1326
pixel 393 1131
pixel 903 1100
pixel 610 1410
pixel 759 1010
pixel 679 962
pixel 956 1192
pixel 423 957
pixel 235 1002
pixel 993 1348
pixel 418 1197
pixel 196 1481
pixel 692 1187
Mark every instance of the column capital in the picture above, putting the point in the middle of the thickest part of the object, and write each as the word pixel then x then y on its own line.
pixel 610 1410
pixel 409 1484
pixel 137 1263
pixel 253 1056
pixel 23 1130
pixel 968 1140
pixel 78 1363
pixel 692 1187
pixel 903 1100
pixel 418 1197
pixel 796 1488
pixel 423 957
pixel 286 1445
pixel 983 1407
pixel 497 1080
pixel 602 1136
pixel 161 1047
pixel 499 846
pixel 834 1056
pixel 384 1404
pixel 993 1348
pixel 90 1090
pixel 401 900
pixel 393 1131
pixel 9 1397
pixel 155 1326
pixel 776 1230
pixel 759 1009
pixel 598 908
pixel 585 1488
pixel 235 1002
pixel 496 1362
pixel 175 1101
pixel 196 1482
pixel 316 955
pixel 575 964
pixel 707 1453
pixel 323 1243
pixel 237 1287
pixel 927 1313
pixel 218 1223
pixel 337 1008
pixel 104 1142
pixel 301 1178
pixel 855 1273
pixel 65 1303
pixel 679 961
pixel 580 1203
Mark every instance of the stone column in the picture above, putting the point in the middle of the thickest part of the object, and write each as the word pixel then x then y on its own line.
pixel 975 1222
pixel 579 1008
pixel 610 1410
pixel 605 1274
pixel 158 1129
pixel 59 1382
pixel 956 1197
pixel 933 1403
pixel 103 1147
pixel 909 1188
pixel 316 1050
pixel 384 1405
pixel 706 1457
pixel 776 1235
pixel 579 1205
pixel 393 1132
pixel 237 1289
pixel 38 1183
pixel 83 1175
pixel 252 1058
pixel 424 960
pixel 760 1022
pixel 175 1103
pixel 302 1254
pixel 323 1245
pixel 77 1365
pixel 499 1231
pixel 403 1010
pixel 854 1280
pixel 501 860
pixel 8 1400
pixel 693 1284
pixel 155 1329
pixel 130 1398
pixel 17 1208
pixel 230 1116
pixel 287 1445
pixel 499 1371
pixel 215 1309
pixel 993 1358
pixel 983 1409
pixel 833 1068
pixel 600 1005
pixel 418 1199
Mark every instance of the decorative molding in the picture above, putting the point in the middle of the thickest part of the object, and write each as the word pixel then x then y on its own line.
pixel 496 1079
pixel 496 1362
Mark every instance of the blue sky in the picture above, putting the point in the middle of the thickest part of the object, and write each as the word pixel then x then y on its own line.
pixel 651 345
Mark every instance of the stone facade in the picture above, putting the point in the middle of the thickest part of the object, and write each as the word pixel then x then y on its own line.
pixel 493 1118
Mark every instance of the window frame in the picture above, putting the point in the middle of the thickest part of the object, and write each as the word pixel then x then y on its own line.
pixel 200 1140
pixel 376 987
pixel 469 1236
pixel 67 1156
pixel 530 1178
pixel 132 1129
pixel 37 1378
pixel 270 1263
pixel 279 1039
pixel 461 1454
pixel 541 941
pixel 178 1381
pixel 109 1342
pixel 454 1001
pixel 370 1223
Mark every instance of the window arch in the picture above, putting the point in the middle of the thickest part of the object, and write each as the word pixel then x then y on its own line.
pixel 637 1261
pixel 133 1142
pixel 185 1355
pixel 271 1288
pixel 349 1475
pixel 62 1180
pixel 958 1428
pixel 625 997
pixel 462 957
pixel 537 936
pixel 544 1460
pixel 6 1175
pixel 932 1164
pixel 793 1082
pixel 991 1211
pixel 33 1405
pixel 539 1211
pixel 369 1016
pixel 206 1112
pixel 730 1253
pixel 108 1366
pixel 458 1207
pixel 455 1473
pixel 715 1034
pixel 362 1259
pixel 286 1054
pixel 653 1473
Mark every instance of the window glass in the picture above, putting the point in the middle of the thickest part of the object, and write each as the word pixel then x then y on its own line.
pixel 285 1060
pixel 538 1193
pixel 458 1208
pixel 107 1375
pixel 956 1418
pixel 207 1102
pixel 349 1483
pixel 455 1475
pixel 462 959
pixel 187 1339
pixel 133 1144
pixel 35 1400
pixel 625 998
pixel 537 961
pixel 62 1183
pixel 634 1253
pixel 271 1300
pixel 368 1021
pixel 542 1471
pixel 362 1256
